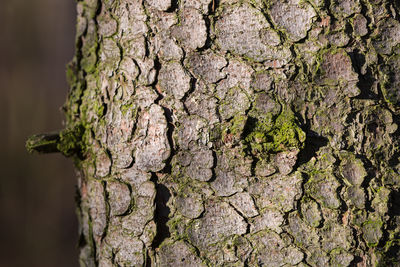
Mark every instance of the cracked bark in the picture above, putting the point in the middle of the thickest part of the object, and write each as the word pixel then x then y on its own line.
pixel 231 133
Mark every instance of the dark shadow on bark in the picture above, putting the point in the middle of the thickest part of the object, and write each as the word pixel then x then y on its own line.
pixel 148 262
pixel 366 80
pixel 209 41
pixel 356 261
pixel 391 245
pixel 214 4
pixel 161 213
pixel 312 144
pixel 394 204
pixel 391 258
pixel 157 67
pixel 174 6
pixel 192 87
pixel 171 127
pixel 215 162
pixel 249 126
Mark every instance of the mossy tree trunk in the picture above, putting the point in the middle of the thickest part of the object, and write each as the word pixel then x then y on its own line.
pixel 236 133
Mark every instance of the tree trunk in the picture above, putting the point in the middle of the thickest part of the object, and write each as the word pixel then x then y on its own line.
pixel 224 133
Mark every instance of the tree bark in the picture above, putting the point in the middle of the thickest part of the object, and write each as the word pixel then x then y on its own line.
pixel 236 133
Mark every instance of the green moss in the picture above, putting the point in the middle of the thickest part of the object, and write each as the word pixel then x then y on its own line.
pixel 128 107
pixel 72 104
pixel 272 136
pixel 71 141
pixel 178 227
pixel 88 63
pixel 71 73
pixel 90 107
pixel 372 232
pixel 230 132
pixel 238 123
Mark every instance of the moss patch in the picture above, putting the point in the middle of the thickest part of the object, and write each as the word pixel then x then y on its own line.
pixel 71 141
pixel 267 135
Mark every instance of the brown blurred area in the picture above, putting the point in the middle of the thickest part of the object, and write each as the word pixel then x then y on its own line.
pixel 38 226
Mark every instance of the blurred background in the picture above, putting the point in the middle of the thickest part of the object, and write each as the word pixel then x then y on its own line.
pixel 37 208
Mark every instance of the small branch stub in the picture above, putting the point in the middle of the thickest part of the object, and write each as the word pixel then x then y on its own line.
pixel 43 143
pixel 68 142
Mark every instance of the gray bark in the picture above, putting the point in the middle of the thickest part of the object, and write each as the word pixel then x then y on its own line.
pixel 236 133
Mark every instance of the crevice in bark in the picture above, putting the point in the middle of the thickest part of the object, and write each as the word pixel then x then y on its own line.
pixel 98 10
pixel 113 255
pixel 209 41
pixel 147 53
pixel 154 85
pixel 161 212
pixel 171 127
pixel 371 172
pixel 214 175
pixel 157 67
pixel 270 21
pixel 322 222
pixel 174 6
pixel 343 208
pixel 92 241
pixel 285 216
pixel 192 87
pixel 108 210
pixel 244 218
pixel 121 53
pixel 132 203
pixel 148 261
pixel 214 4
pixel 327 4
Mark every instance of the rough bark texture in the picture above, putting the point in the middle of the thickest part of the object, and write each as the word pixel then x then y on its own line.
pixel 236 133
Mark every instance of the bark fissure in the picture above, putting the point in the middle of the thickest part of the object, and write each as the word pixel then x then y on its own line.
pixel 161 213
